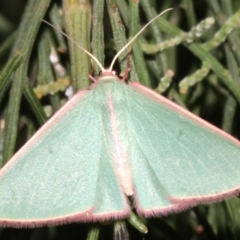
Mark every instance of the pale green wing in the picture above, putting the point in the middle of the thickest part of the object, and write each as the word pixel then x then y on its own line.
pixel 178 160
pixel 64 172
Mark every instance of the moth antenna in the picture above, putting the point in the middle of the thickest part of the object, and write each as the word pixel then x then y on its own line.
pixel 130 42
pixel 77 44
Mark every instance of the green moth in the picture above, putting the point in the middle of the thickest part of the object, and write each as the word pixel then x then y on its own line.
pixel 114 144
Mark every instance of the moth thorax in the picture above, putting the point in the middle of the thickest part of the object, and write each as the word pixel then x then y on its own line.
pixel 107 76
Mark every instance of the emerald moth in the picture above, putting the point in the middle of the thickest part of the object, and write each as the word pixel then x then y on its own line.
pixel 116 146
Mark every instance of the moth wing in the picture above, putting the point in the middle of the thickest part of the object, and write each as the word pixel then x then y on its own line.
pixel 178 160
pixel 58 176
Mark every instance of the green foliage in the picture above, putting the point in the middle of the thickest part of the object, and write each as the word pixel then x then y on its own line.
pixel 191 54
